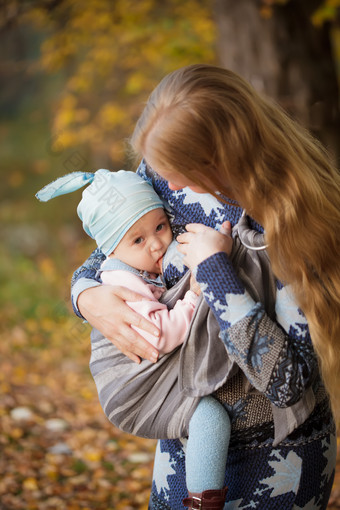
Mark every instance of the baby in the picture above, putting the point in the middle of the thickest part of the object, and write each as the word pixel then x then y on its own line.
pixel 125 216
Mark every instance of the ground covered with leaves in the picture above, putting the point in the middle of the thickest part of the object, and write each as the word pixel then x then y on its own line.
pixel 57 448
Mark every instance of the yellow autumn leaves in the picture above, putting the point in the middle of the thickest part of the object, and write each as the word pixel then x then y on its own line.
pixel 112 54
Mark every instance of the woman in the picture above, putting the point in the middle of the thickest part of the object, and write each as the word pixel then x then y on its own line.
pixel 206 130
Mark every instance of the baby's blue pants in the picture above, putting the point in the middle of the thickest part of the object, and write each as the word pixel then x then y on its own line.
pixel 207 447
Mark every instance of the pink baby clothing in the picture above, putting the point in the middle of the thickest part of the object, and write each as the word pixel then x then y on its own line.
pixel 173 324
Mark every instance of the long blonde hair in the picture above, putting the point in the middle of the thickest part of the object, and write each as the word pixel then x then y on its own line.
pixel 210 125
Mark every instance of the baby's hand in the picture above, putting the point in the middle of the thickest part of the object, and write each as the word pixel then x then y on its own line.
pixel 194 286
pixel 200 242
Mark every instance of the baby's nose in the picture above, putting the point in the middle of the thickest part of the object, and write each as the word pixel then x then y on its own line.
pixel 156 243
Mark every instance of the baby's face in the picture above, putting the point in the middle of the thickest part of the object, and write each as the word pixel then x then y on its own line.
pixel 145 243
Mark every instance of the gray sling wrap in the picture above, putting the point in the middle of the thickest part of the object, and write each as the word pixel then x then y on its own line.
pixel 158 400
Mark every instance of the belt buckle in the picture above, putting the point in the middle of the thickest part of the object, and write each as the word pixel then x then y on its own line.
pixel 196 501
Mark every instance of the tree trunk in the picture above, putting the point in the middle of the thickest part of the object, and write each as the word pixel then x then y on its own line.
pixel 285 57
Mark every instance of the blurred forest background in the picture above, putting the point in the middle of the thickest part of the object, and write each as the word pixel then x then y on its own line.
pixel 74 77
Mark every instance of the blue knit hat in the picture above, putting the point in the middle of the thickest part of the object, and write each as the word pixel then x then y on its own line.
pixel 109 207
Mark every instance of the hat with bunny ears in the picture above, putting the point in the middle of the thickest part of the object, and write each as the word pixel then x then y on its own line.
pixel 110 205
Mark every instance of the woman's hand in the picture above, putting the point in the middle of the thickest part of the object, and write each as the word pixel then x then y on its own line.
pixel 105 309
pixel 200 242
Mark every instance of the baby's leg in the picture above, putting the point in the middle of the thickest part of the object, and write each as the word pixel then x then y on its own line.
pixel 207 447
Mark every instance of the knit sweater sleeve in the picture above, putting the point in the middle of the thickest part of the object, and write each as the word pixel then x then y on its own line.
pixel 85 277
pixel 276 356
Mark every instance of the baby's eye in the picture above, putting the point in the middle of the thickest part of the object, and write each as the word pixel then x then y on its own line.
pixel 159 227
pixel 138 240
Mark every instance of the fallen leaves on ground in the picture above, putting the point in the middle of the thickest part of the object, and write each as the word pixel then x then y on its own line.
pixel 58 450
